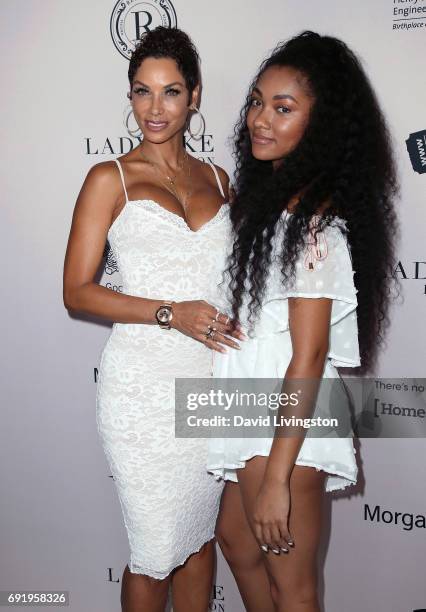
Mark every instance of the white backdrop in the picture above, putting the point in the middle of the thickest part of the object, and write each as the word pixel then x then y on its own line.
pixel 64 86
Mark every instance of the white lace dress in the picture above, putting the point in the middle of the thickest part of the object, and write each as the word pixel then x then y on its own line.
pixel 322 272
pixel 169 501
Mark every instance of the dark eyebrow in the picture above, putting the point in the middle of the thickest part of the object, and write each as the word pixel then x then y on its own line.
pixel 277 97
pixel 283 97
pixel 175 83
pixel 165 86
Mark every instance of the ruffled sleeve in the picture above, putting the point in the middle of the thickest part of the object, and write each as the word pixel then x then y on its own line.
pixel 323 270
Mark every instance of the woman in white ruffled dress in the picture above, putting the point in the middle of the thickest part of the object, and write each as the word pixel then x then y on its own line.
pixel 312 229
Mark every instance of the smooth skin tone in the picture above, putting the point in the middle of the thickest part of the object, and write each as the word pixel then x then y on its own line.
pixel 160 101
pixel 275 502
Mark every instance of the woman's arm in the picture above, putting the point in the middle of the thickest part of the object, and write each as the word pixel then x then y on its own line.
pixel 91 220
pixel 309 323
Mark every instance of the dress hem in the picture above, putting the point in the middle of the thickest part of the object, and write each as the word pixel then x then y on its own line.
pixel 161 575
pixel 347 480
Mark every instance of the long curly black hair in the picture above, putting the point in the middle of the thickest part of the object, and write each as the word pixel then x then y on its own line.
pixel 344 160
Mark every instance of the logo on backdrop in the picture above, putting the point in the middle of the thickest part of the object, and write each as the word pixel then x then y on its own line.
pixel 393 408
pixel 111 265
pixel 130 19
pixel 406 521
pixel 217 602
pixel 202 149
pixel 416 147
pixel 411 270
pixel 408 14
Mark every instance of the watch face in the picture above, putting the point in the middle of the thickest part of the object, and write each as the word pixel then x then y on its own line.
pixel 163 315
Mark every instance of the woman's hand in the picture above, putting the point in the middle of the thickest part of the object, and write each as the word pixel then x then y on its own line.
pixel 194 317
pixel 271 515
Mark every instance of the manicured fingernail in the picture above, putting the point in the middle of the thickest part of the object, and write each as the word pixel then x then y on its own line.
pixel 223 350
pixel 276 551
pixel 290 543
pixel 264 548
pixel 285 550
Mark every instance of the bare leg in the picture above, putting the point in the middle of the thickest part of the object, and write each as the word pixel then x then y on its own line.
pixel 140 593
pixel 242 552
pixel 192 582
pixel 294 575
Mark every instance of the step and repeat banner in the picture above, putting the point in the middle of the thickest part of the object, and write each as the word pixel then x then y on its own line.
pixel 64 75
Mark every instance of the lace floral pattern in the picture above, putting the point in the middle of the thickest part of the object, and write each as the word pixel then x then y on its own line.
pixel 169 501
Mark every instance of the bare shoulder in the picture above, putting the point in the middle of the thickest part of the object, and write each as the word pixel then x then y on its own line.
pixel 223 175
pixel 103 174
pixel 103 184
pixel 206 170
pixel 224 180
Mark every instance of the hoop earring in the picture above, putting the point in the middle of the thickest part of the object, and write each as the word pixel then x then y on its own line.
pixel 126 117
pixel 202 127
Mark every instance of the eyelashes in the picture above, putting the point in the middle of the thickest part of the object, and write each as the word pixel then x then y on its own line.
pixel 255 102
pixel 172 91
pixel 283 110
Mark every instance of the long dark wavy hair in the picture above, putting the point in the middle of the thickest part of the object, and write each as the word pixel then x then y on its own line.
pixel 344 160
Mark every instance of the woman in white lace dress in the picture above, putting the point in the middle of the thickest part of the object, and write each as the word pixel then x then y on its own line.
pixel 309 278
pixel 163 213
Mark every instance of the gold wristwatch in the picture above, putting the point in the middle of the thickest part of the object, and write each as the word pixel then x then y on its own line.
pixel 164 315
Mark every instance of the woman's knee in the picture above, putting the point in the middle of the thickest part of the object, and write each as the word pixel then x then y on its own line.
pixel 235 551
pixel 226 539
pixel 291 591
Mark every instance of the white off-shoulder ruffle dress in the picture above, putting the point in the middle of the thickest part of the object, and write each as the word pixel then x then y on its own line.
pixel 324 271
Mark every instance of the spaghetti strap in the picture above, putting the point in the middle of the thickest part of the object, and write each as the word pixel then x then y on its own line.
pixel 219 184
pixel 122 178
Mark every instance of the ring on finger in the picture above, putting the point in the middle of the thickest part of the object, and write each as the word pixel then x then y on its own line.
pixel 210 332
